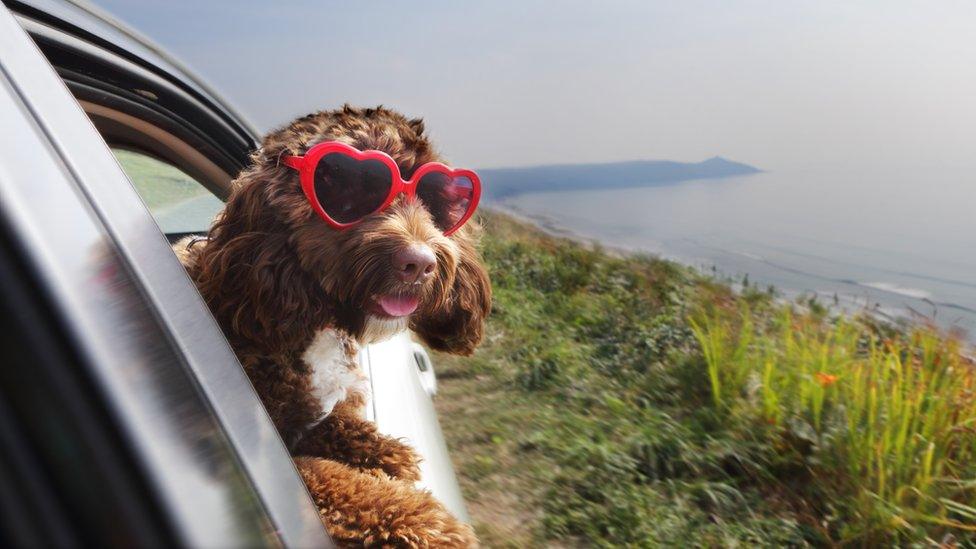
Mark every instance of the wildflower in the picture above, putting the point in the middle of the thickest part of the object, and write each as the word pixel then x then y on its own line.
pixel 825 380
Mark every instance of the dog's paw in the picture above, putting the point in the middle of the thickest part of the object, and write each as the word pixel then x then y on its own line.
pixel 366 508
pixel 398 460
pixel 358 443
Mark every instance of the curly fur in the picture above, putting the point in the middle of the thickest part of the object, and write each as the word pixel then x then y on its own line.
pixel 294 297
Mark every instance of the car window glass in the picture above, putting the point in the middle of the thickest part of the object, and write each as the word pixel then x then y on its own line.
pixel 179 203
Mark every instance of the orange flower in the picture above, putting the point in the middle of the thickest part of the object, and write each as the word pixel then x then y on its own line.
pixel 825 380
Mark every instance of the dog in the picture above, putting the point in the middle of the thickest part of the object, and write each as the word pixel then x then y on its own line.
pixel 297 298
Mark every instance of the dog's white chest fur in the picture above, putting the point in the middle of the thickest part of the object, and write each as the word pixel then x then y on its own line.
pixel 335 373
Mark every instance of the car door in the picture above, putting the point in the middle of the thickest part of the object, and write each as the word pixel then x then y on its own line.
pixel 181 145
pixel 403 383
pixel 124 416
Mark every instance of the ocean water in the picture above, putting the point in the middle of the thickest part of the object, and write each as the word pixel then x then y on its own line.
pixel 900 242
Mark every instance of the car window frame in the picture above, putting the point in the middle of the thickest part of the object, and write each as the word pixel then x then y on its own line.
pixel 85 178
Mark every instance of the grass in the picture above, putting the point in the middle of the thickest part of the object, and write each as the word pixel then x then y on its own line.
pixel 628 401
pixel 887 424
pixel 158 183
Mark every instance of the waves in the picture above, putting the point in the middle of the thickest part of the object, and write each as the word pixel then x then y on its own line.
pixel 896 289
pixel 892 289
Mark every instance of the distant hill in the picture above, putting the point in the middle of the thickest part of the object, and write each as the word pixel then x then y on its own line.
pixel 505 182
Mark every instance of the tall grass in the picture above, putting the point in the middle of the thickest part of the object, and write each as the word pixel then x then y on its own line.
pixel 602 410
pixel 885 427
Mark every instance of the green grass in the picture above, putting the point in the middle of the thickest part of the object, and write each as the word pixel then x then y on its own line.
pixel 885 426
pixel 158 183
pixel 628 401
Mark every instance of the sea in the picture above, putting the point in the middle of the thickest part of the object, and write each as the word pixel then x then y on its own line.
pixel 897 242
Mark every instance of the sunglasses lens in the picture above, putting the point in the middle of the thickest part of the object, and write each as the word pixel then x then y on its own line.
pixel 446 197
pixel 349 189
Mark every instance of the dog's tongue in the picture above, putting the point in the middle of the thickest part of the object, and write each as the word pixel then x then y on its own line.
pixel 398 305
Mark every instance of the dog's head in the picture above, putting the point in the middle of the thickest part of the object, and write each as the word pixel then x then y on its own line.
pixel 289 272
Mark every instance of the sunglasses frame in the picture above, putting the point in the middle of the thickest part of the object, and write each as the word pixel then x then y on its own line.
pixel 306 165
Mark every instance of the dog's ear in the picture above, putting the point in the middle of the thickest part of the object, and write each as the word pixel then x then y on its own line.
pixel 250 275
pixel 457 324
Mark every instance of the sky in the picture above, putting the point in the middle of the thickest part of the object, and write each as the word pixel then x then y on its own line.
pixel 776 84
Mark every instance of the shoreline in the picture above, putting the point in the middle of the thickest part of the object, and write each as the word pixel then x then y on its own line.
pixel 553 228
pixel 899 317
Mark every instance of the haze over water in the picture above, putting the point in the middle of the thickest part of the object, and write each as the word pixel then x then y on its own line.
pixel 895 238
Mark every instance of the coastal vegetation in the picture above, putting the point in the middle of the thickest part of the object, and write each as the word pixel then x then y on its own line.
pixel 623 400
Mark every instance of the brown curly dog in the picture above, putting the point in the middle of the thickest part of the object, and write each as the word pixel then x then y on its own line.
pixel 297 298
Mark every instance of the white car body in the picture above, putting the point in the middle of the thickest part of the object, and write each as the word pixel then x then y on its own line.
pixel 401 406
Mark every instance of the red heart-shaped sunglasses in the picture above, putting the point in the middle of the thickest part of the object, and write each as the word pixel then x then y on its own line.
pixel 344 185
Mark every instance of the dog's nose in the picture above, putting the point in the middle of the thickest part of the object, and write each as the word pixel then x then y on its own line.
pixel 414 264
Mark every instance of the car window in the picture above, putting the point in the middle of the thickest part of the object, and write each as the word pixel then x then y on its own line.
pixel 179 203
